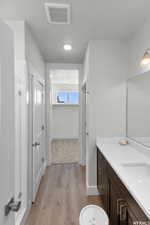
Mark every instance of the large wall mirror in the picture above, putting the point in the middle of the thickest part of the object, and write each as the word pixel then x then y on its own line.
pixel 138 108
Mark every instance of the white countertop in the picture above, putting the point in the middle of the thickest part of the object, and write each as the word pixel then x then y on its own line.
pixel 118 156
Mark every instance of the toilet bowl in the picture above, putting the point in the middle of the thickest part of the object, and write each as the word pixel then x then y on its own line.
pixel 93 215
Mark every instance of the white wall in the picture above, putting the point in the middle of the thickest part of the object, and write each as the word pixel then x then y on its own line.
pixel 106 84
pixel 18 28
pixel 139 107
pixel 65 122
pixel 84 111
pixel 33 53
pixel 137 45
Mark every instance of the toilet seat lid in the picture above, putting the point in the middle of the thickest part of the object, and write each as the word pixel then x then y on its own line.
pixel 93 215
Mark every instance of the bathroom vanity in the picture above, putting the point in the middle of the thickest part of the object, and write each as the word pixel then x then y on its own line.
pixel 122 187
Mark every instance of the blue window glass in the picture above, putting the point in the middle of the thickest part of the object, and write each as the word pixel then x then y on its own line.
pixel 74 97
pixel 68 97
pixel 62 97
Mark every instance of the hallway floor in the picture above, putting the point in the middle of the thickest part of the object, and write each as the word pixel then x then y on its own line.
pixel 65 151
pixel 61 196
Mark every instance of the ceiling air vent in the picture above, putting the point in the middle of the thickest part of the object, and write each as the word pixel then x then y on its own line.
pixel 58 13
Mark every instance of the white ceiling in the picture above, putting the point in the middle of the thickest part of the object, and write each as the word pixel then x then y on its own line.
pixel 64 76
pixel 91 19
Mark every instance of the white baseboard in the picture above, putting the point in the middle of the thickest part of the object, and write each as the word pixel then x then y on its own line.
pixel 44 167
pixel 65 138
pixel 92 190
pixel 26 214
pixel 37 184
pixel 83 163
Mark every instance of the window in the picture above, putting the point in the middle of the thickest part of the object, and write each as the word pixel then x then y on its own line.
pixel 67 97
pixel 62 97
pixel 74 97
pixel 65 86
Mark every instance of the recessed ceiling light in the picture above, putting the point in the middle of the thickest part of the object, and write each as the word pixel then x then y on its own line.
pixel 67 47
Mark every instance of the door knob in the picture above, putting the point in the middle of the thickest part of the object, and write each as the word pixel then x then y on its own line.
pixel 36 144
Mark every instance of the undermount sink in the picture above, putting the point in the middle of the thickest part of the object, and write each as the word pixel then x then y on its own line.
pixel 140 171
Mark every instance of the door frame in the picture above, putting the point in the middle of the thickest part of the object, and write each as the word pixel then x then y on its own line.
pixel 33 74
pixel 84 121
pixel 36 80
pixel 53 66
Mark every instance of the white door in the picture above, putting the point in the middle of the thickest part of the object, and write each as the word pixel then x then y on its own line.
pixel 38 134
pixel 21 137
pixel 7 134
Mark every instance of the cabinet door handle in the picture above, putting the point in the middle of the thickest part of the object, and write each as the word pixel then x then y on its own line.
pixel 123 212
pixel 119 200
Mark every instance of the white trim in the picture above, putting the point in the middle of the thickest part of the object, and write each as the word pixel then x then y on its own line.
pixel 37 185
pixel 64 138
pixel 25 216
pixel 83 162
pixel 64 66
pixel 48 112
pixel 30 138
pixel 92 190
pixel 27 211
pixel 44 168
pixel 32 70
pixel 36 78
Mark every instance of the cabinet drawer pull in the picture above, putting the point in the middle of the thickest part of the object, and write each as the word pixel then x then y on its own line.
pixel 119 200
pixel 123 212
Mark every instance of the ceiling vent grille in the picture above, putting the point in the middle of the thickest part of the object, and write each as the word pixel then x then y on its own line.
pixel 58 13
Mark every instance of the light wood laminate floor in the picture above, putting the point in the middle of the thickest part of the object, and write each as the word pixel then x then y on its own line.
pixel 61 196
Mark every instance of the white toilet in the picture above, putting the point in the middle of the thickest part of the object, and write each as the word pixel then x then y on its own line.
pixel 93 215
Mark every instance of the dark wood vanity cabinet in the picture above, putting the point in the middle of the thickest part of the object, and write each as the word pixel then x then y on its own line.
pixel 102 180
pixel 120 206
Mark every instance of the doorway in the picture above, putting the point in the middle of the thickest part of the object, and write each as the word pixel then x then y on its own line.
pixel 65 144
